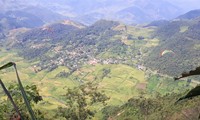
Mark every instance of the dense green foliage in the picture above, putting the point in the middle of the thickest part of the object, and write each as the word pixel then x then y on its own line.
pixel 7 111
pixel 158 108
pixel 25 98
pixel 79 100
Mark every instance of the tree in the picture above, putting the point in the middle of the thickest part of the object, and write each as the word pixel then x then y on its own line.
pixel 79 100
pixel 22 96
pixel 8 112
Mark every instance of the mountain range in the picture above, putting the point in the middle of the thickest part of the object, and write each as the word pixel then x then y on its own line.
pixel 89 11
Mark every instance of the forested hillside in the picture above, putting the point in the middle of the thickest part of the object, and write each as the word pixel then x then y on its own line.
pixel 190 15
pixel 17 19
pixel 182 37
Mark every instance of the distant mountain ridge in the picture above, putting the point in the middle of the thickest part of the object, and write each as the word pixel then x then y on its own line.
pixel 88 12
pixel 190 15
pixel 145 11
pixel 17 19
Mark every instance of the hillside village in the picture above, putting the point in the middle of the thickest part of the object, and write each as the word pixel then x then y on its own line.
pixel 94 47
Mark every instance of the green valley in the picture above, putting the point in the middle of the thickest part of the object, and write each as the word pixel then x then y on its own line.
pixel 108 70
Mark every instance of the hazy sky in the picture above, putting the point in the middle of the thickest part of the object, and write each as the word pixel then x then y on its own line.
pixel 186 4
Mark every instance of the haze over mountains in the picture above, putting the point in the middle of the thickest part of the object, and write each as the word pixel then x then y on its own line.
pixel 89 11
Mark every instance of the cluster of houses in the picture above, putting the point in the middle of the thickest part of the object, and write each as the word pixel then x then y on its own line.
pixel 75 57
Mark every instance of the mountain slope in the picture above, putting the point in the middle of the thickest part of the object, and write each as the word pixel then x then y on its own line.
pixel 190 15
pixel 133 15
pixel 18 19
pixel 182 37
pixel 45 14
